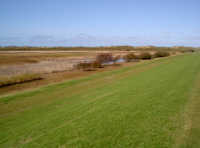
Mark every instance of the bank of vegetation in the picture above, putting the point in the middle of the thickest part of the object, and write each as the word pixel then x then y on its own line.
pixel 105 48
pixel 7 81
pixel 108 59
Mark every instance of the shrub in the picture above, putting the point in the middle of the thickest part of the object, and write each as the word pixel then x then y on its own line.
pixel 129 57
pixel 145 56
pixel 188 50
pixel 104 57
pixel 96 64
pixel 89 66
pixel 84 66
pixel 161 54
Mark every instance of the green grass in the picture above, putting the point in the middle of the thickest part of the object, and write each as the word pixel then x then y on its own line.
pixel 154 104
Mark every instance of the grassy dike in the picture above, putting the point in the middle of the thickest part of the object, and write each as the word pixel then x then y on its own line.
pixel 152 104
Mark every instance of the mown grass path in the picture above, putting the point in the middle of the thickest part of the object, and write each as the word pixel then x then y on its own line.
pixel 153 104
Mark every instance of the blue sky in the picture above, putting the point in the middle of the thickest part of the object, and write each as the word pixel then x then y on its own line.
pixel 99 22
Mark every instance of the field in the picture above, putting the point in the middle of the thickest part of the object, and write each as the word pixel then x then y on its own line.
pixel 46 62
pixel 14 63
pixel 151 104
pixel 9 58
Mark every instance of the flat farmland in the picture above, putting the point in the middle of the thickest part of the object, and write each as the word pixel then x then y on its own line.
pixel 150 104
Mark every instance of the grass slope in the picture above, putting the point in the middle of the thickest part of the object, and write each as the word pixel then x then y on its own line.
pixel 148 105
